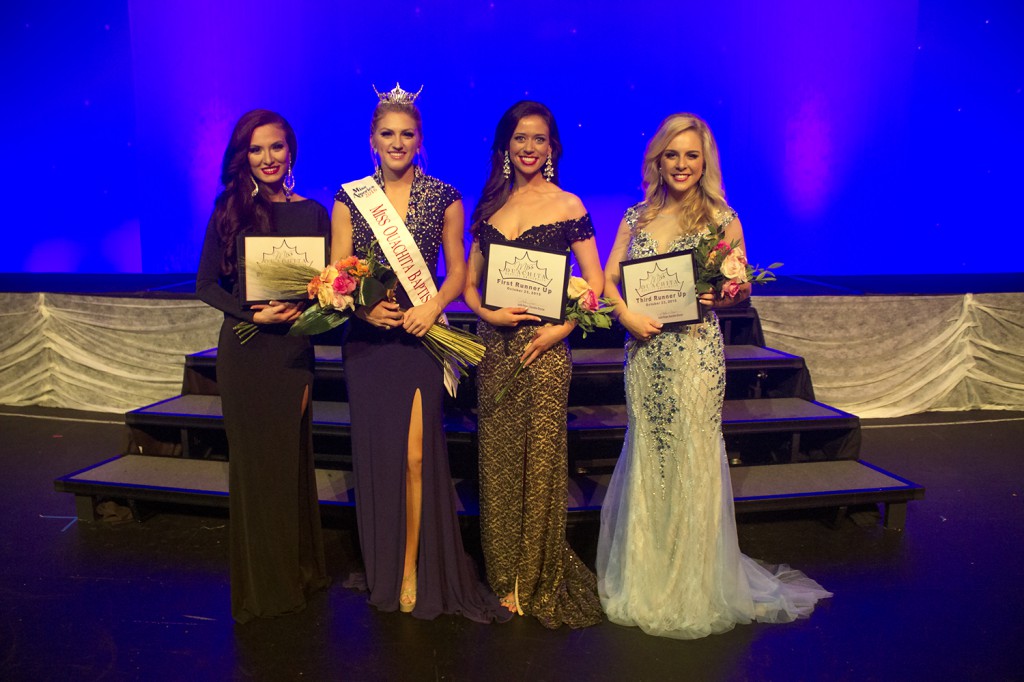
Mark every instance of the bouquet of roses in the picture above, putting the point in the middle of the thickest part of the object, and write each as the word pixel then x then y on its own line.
pixel 722 266
pixel 339 288
pixel 589 311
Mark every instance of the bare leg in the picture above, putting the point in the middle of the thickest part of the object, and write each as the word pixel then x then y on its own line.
pixel 413 503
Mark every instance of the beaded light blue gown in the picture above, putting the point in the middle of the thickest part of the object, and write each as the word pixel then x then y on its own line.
pixel 668 559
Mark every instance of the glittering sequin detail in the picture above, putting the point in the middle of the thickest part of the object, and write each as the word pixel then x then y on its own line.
pixel 677 369
pixel 429 198
pixel 523 463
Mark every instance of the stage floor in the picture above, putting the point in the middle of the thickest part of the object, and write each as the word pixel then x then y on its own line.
pixel 941 600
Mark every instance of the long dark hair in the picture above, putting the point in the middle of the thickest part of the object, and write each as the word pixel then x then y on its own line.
pixel 235 209
pixel 498 188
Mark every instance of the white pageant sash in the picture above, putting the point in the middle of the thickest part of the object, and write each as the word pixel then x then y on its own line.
pixel 400 249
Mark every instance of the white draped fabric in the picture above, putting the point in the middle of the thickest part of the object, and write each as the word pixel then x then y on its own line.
pixel 888 356
pixel 874 356
pixel 98 353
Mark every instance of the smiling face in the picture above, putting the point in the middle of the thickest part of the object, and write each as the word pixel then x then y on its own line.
pixel 396 140
pixel 269 153
pixel 530 145
pixel 682 162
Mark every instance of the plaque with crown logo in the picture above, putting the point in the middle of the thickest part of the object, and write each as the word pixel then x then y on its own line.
pixel 532 278
pixel 254 249
pixel 663 287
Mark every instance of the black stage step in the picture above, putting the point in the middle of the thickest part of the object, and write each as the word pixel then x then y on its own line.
pixel 195 482
pixel 751 372
pixel 585 360
pixel 780 425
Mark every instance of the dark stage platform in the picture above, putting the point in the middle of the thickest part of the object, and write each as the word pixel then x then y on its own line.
pixel 149 601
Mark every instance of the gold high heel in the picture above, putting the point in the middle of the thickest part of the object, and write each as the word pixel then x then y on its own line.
pixel 407 598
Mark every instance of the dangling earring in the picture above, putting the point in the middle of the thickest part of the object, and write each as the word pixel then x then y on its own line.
pixel 506 168
pixel 255 187
pixel 373 155
pixel 289 182
pixel 549 169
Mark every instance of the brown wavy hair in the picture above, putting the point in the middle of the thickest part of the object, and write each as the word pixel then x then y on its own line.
pixel 235 209
pixel 497 188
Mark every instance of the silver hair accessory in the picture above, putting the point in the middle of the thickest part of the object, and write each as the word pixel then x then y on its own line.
pixel 506 167
pixel 549 169
pixel 398 95
pixel 289 182
pixel 255 187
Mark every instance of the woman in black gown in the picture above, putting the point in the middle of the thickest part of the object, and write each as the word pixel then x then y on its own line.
pixel 405 500
pixel 276 548
pixel 523 467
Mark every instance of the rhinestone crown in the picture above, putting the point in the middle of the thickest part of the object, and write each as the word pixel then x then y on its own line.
pixel 398 95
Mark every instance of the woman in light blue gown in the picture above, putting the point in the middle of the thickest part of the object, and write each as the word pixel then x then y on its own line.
pixel 668 560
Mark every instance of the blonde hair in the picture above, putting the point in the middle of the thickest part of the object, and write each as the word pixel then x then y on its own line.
pixel 699 207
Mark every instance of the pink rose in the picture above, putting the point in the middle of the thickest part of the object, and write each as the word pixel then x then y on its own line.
pixel 723 246
pixel 735 265
pixel 730 288
pixel 344 283
pixel 588 301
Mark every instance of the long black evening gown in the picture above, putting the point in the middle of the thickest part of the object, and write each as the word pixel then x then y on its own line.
pixel 277 557
pixel 383 371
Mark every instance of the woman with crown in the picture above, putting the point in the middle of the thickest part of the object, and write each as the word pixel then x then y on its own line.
pixel 405 500
pixel 523 467
pixel 668 559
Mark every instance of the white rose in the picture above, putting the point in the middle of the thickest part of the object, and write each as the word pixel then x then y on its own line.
pixel 577 287
pixel 735 265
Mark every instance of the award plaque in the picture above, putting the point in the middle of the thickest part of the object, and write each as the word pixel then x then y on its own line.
pixel 253 249
pixel 526 277
pixel 663 287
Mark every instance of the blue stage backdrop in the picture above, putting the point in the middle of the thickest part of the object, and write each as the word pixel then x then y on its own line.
pixel 857 138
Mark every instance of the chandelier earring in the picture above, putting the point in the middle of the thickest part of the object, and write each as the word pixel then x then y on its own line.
pixel 289 182
pixel 506 167
pixel 255 187
pixel 549 169
pixel 374 157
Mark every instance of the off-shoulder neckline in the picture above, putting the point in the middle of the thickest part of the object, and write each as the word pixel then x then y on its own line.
pixel 535 227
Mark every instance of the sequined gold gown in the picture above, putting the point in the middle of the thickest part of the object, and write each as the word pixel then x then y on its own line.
pixel 523 463
pixel 668 559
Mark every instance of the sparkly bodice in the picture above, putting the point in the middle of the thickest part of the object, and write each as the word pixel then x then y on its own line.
pixel 642 244
pixel 558 235
pixel 429 198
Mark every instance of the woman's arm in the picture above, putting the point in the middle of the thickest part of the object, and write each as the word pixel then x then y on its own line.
pixel 504 317
pixel 420 318
pixel 639 326
pixel 209 290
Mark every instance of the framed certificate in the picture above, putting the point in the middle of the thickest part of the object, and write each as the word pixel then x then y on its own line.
pixel 663 287
pixel 529 277
pixel 308 250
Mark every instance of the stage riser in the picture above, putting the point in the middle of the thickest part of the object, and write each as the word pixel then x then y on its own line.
pixel 751 372
pixel 763 431
pixel 204 483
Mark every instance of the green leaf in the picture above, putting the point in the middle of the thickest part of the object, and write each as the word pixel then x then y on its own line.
pixel 316 321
